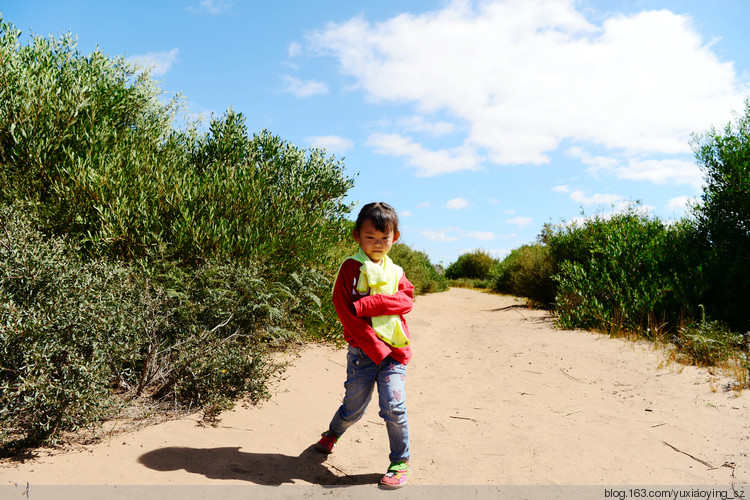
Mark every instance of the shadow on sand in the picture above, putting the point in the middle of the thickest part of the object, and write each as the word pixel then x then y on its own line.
pixel 258 468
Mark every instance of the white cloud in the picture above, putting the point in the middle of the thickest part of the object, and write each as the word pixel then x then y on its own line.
pixel 662 171
pixel 595 163
pixel 672 171
pixel 159 62
pixel 525 75
pixel 458 204
pixel 427 163
pixel 479 235
pixel 213 7
pixel 294 49
pixel 561 189
pixel 520 221
pixel 424 205
pixel 441 236
pixel 453 234
pixel 332 143
pixel 419 124
pixel 302 88
pixel 406 213
pixel 596 199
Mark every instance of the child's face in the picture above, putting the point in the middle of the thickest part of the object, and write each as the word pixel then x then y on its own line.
pixel 376 244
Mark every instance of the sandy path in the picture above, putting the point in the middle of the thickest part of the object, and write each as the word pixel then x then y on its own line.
pixel 495 395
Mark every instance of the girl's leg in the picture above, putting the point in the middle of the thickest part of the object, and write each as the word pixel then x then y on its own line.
pixel 392 396
pixel 361 374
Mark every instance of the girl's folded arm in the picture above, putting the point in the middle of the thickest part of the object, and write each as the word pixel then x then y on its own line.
pixel 399 303
pixel 357 327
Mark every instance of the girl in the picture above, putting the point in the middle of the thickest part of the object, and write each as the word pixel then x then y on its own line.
pixel 371 295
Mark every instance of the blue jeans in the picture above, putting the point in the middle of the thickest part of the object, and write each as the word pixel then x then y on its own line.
pixel 361 376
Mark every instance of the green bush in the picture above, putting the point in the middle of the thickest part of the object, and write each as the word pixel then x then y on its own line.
pixel 723 220
pixel 57 315
pixel 473 283
pixel 628 272
pixel 474 265
pixel 418 269
pixel 76 333
pixel 83 136
pixel 88 138
pixel 263 201
pixel 140 260
pixel 527 272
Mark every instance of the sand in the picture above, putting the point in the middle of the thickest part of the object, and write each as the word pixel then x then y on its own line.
pixel 496 396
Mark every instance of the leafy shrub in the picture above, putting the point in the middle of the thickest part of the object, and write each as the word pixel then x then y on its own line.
pixel 177 244
pixel 54 372
pixel 88 138
pixel 473 283
pixel 476 264
pixel 527 272
pixel 621 273
pixel 723 219
pixel 418 269
pixel 74 130
pixel 77 332
pixel 261 202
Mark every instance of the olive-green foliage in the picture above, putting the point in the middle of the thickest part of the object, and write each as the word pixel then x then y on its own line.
pixel 476 265
pixel 56 317
pixel 527 272
pixel 628 272
pixel 140 258
pixel 75 331
pixel 259 197
pixel 723 220
pixel 473 283
pixel 80 134
pixel 418 270
pixel 89 139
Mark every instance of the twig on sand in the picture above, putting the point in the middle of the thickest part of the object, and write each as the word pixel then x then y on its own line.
pixel 341 471
pixel 691 456
pixel 732 466
pixel 573 413
pixel 464 418
pixel 571 377
pixel 519 312
pixel 514 307
pixel 337 363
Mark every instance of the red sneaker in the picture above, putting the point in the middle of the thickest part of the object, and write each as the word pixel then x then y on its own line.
pixel 327 442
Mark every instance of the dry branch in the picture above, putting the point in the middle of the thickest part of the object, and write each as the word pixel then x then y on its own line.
pixel 691 456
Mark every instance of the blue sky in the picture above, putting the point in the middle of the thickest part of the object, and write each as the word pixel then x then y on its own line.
pixel 480 121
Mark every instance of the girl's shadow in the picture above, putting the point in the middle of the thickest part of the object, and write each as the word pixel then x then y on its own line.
pixel 259 468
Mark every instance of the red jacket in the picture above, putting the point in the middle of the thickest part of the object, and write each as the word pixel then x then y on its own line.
pixel 355 310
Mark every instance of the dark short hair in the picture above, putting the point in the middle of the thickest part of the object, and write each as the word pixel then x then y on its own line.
pixel 382 215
